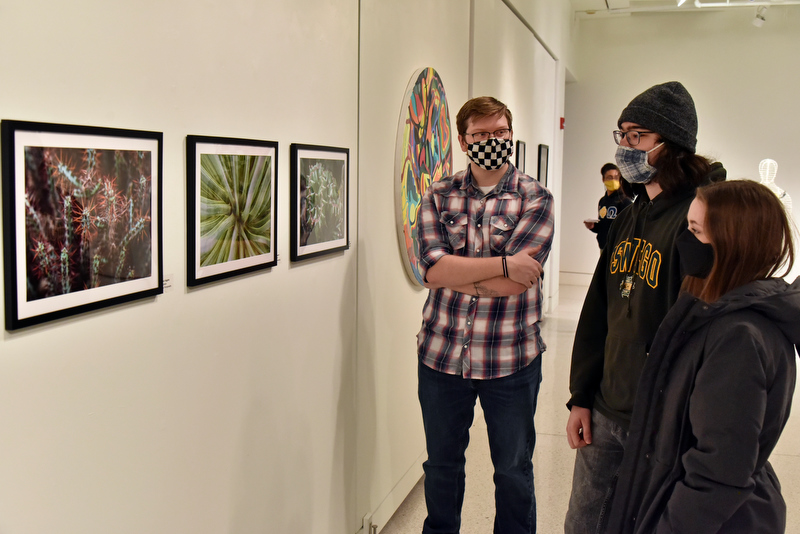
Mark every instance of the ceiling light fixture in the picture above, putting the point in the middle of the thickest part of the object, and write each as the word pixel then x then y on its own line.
pixel 744 3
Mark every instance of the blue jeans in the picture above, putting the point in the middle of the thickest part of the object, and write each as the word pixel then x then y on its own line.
pixel 596 467
pixel 448 407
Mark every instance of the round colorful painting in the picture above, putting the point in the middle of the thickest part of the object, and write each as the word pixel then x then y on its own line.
pixel 424 155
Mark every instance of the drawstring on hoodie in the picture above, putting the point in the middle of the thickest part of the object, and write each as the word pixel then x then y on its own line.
pixel 629 260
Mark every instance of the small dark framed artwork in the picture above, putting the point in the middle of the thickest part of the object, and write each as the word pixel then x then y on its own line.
pixel 543 153
pixel 319 205
pixel 231 207
pixel 520 163
pixel 81 219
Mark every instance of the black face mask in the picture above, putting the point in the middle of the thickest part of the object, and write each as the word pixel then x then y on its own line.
pixel 697 258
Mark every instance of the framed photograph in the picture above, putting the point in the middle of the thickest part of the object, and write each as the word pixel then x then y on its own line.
pixel 81 219
pixel 543 153
pixel 320 193
pixel 520 163
pixel 231 207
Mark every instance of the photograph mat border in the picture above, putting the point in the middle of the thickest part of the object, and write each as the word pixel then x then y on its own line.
pixel 235 149
pixel 15 133
pixel 35 138
pixel 333 155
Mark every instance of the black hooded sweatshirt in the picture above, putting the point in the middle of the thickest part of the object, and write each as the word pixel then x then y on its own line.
pixel 614 331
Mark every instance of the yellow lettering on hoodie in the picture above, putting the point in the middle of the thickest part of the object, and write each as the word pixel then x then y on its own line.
pixel 649 264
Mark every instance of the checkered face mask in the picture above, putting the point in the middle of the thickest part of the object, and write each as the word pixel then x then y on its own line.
pixel 633 164
pixel 490 154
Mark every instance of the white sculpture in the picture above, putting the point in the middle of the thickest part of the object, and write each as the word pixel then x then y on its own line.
pixel 768 169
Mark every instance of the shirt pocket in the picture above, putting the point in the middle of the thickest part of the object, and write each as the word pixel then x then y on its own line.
pixel 456 225
pixel 501 228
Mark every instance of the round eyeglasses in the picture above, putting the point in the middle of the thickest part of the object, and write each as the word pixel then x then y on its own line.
pixel 498 134
pixel 633 136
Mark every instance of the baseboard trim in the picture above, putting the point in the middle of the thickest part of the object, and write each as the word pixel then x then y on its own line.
pixel 385 510
pixel 575 279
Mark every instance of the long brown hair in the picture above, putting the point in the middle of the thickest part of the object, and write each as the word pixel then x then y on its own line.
pixel 751 235
pixel 678 168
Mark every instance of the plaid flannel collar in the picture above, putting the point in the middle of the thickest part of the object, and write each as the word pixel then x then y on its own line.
pixel 509 183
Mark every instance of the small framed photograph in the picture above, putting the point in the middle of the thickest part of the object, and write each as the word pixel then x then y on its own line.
pixel 543 154
pixel 231 207
pixel 520 163
pixel 319 205
pixel 81 219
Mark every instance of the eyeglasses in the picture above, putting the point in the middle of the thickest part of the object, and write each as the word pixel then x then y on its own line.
pixel 633 136
pixel 498 134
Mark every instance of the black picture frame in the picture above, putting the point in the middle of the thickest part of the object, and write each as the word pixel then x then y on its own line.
pixel 543 160
pixel 320 207
pixel 231 207
pixel 81 219
pixel 520 161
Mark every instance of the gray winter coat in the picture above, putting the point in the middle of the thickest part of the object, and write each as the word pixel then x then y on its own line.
pixel 712 401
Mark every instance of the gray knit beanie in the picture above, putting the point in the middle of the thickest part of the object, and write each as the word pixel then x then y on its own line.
pixel 667 109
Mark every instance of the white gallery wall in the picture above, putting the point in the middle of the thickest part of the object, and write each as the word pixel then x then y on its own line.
pixel 279 401
pixel 228 408
pixel 397 39
pixel 744 80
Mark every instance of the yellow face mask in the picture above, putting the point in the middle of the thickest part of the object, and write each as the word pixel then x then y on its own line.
pixel 611 185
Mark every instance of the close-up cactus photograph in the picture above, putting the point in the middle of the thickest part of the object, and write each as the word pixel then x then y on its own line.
pixel 320 188
pixel 321 200
pixel 87 218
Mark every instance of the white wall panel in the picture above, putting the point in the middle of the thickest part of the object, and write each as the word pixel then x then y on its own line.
pixel 282 401
pixel 228 408
pixel 397 38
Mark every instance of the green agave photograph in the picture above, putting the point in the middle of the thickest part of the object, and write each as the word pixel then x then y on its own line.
pixel 235 207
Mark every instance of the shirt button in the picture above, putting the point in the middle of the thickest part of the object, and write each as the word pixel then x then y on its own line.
pixel 483 201
pixel 477 250
pixel 465 345
pixel 479 225
pixel 505 226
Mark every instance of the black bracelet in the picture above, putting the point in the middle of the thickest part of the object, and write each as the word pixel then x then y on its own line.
pixel 505 267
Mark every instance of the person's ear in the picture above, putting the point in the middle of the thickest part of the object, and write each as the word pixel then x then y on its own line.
pixel 463 143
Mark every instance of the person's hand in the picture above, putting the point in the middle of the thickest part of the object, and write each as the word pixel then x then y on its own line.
pixel 579 427
pixel 523 269
pixel 588 224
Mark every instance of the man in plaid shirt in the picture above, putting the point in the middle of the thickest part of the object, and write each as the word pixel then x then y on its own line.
pixel 484 234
